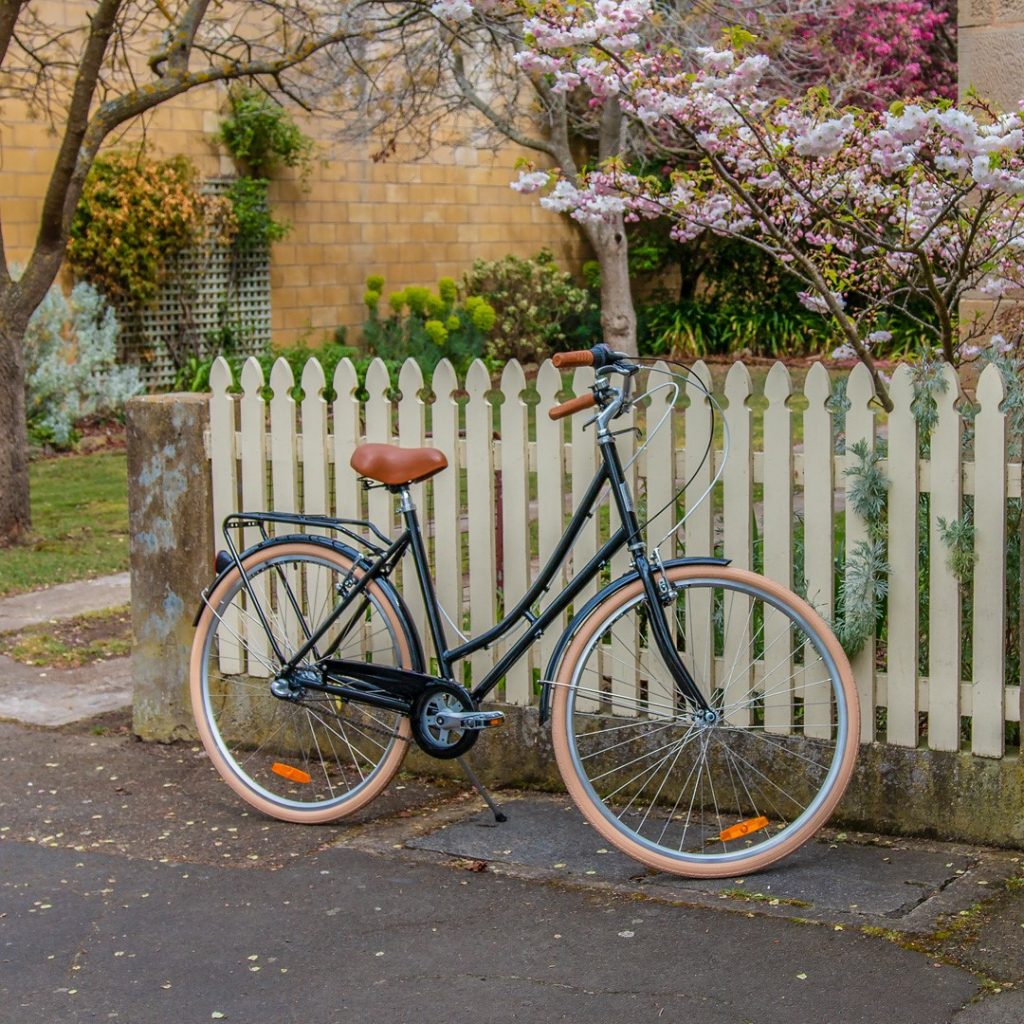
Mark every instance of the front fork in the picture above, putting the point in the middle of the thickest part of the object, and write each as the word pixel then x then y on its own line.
pixel 654 593
pixel 686 685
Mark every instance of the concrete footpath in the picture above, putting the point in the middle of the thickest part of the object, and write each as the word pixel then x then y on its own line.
pixel 48 696
pixel 135 887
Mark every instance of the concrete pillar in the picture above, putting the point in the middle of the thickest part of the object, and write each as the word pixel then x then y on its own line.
pixel 170 518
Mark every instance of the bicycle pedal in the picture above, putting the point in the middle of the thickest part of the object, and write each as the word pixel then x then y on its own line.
pixel 469 721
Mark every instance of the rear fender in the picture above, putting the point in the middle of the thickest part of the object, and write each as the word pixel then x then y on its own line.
pixel 224 564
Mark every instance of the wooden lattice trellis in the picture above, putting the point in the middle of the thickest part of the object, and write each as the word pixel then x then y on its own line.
pixel 213 294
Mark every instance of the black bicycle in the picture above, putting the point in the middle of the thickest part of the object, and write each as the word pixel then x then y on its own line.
pixel 704 719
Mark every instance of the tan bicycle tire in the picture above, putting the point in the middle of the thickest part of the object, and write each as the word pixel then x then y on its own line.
pixel 588 801
pixel 229 771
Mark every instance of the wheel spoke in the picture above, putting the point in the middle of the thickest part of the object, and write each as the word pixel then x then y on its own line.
pixel 307 754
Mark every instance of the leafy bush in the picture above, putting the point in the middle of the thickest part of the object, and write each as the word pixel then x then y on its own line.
pixel 537 306
pixel 72 370
pixel 731 299
pixel 425 326
pixel 261 135
pixel 134 216
pixel 255 226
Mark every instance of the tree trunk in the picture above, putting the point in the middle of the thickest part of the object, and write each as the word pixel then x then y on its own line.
pixel 618 316
pixel 15 516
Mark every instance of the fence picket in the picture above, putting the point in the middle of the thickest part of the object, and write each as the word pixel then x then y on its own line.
pixel 447 546
pixel 348 495
pixel 378 431
pixel 550 462
pixel 620 660
pixel 515 493
pixel 699 537
pixel 818 491
pixel 657 470
pixel 224 480
pixel 412 434
pixel 284 481
pixel 657 465
pixel 480 506
pixel 738 496
pixel 777 532
pixel 315 499
pixel 988 647
pixel 584 464
pixel 254 498
pixel 944 604
pixel 819 499
pixel 860 426
pixel 902 646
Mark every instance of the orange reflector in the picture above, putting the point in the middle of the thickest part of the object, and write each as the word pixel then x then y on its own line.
pixel 295 774
pixel 743 828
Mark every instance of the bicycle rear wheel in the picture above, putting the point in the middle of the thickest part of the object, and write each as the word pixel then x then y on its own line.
pixel 689 794
pixel 314 757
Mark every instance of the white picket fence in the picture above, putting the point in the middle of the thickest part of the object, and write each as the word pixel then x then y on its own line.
pixel 514 475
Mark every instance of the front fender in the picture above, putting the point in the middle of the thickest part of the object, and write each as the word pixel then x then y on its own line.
pixel 225 564
pixel 584 613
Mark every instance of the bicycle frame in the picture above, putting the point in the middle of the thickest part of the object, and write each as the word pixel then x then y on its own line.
pixel 368 569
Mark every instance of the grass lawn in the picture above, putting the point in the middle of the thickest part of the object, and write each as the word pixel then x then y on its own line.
pixel 79 523
pixel 95 636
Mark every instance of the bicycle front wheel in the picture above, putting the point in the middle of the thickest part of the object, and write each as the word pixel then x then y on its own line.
pixel 312 757
pixel 706 795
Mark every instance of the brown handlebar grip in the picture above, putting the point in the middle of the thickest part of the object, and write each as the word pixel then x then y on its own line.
pixel 581 357
pixel 587 401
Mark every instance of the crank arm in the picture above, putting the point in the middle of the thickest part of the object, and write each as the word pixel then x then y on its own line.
pixel 468 721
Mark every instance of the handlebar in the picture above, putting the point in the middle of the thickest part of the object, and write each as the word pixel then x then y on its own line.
pixel 604 360
pixel 579 358
pixel 587 401
pixel 598 357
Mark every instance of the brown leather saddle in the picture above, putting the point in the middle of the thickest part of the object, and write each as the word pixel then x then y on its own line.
pixel 394 466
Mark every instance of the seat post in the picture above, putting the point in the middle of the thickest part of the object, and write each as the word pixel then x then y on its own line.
pixel 419 553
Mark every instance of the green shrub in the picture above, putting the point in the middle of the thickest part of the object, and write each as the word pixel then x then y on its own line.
pixel 537 308
pixel 425 326
pixel 134 216
pixel 254 224
pixel 262 136
pixel 72 371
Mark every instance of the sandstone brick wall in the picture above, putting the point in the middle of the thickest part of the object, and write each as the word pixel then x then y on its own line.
pixel 410 220
pixel 991 45
pixel 991 60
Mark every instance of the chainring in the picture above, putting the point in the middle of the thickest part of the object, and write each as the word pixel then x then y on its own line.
pixel 433 738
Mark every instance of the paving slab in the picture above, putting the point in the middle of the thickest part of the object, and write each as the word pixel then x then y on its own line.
pixel 54 696
pixel 64 601
pixel 840 879
pixel 1001 1008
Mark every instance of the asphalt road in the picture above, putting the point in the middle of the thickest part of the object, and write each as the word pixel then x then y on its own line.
pixel 134 888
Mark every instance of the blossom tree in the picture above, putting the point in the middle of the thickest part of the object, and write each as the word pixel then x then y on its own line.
pixel 871 211
pixel 872 52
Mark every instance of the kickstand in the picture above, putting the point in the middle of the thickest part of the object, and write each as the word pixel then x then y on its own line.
pixel 499 814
